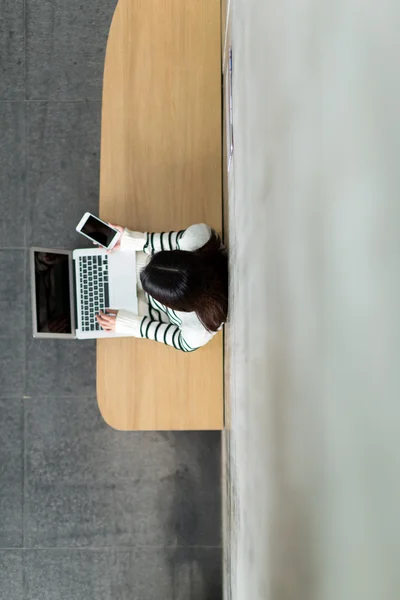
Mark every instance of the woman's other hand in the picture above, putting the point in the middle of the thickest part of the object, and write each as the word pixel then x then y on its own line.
pixel 108 320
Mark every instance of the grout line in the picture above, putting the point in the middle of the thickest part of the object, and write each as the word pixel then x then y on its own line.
pixel 24 463
pixel 24 577
pixel 26 210
pixel 25 368
pixel 13 397
pixel 26 151
pixel 102 548
pixel 52 100
pixel 38 394
pixel 27 206
pixel 25 49
pixel 46 396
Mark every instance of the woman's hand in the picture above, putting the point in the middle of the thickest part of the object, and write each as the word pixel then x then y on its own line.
pixel 108 320
pixel 118 244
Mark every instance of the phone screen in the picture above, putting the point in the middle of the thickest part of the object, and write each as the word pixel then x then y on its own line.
pixel 98 231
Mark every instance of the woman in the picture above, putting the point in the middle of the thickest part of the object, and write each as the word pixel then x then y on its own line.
pixel 182 288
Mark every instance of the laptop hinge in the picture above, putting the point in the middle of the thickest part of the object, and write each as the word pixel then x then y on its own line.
pixel 75 293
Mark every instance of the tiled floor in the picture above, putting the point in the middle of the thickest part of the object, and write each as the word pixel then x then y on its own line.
pixel 85 512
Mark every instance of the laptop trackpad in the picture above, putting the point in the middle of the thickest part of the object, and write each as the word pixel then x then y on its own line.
pixel 122 280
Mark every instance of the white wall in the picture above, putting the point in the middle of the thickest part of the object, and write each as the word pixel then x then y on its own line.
pixel 315 246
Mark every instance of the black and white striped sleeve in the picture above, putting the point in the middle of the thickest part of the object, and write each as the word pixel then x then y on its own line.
pixel 181 338
pixel 165 333
pixel 192 238
pixel 155 242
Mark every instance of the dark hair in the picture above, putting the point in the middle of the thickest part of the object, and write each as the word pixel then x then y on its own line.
pixel 191 281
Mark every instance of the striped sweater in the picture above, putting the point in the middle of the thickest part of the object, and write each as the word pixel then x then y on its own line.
pixel 181 330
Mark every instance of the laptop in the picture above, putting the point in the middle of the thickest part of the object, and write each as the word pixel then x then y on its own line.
pixel 70 287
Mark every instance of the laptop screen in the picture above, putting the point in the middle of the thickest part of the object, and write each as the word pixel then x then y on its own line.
pixel 51 271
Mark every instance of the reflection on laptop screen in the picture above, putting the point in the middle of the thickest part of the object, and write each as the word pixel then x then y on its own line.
pixel 52 285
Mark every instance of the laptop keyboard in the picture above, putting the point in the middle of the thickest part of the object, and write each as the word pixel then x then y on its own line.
pixel 93 273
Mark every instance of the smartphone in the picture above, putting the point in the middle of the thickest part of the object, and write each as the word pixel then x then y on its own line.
pixel 98 231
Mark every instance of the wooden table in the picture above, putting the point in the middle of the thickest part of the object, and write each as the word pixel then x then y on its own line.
pixel 161 170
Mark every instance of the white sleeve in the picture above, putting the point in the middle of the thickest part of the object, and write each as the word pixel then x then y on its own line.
pixel 195 237
pixel 193 338
pixel 128 322
pixel 186 339
pixel 133 241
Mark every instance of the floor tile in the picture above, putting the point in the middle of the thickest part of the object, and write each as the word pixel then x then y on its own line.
pixel 63 142
pixel 12 293
pixel 12 50
pixel 11 472
pixel 89 485
pixel 12 366
pixel 12 322
pixel 196 573
pixel 66 43
pixel 60 367
pixel 11 575
pixel 142 573
pixel 12 173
